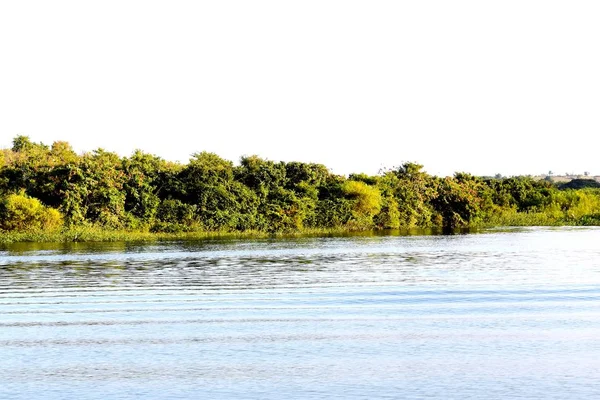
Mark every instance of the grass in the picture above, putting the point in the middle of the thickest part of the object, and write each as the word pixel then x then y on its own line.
pixel 506 218
pixel 510 218
pixel 95 234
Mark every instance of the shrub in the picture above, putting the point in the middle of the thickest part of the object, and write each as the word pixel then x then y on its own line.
pixel 366 203
pixel 20 212
pixel 580 184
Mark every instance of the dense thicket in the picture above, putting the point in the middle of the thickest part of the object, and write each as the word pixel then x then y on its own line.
pixel 580 184
pixel 46 187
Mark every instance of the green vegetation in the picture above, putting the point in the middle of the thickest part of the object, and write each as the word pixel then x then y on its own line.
pixel 50 193
pixel 580 184
pixel 20 212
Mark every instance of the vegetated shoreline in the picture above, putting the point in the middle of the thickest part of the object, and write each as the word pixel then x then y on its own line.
pixel 83 235
pixel 52 194
pixel 91 235
pixel 99 235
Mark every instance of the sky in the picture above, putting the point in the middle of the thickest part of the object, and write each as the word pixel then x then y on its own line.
pixel 486 87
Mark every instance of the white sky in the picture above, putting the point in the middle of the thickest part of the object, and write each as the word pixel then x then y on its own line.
pixel 486 87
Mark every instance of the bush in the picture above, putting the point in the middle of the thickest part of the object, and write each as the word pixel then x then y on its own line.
pixel 366 203
pixel 580 184
pixel 19 212
pixel 175 216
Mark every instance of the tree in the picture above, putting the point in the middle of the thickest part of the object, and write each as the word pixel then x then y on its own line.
pixel 413 191
pixel 99 189
pixel 142 173
pixel 462 201
pixel 22 143
pixel 222 203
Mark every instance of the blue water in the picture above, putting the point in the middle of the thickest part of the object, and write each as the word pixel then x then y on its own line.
pixel 506 314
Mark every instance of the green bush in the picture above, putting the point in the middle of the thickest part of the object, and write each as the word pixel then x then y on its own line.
pixel 19 212
pixel 175 216
pixel 366 203
pixel 580 184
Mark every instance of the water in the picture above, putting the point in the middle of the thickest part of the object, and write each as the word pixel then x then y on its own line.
pixel 503 314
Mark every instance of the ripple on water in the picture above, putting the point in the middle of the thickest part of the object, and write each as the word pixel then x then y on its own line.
pixel 504 314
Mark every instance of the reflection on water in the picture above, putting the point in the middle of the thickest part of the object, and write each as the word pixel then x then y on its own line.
pixel 503 314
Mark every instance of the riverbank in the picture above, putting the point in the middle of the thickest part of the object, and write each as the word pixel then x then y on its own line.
pixel 101 196
pixel 97 234
pixel 92 234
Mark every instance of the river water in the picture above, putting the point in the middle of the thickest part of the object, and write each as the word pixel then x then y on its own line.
pixel 505 314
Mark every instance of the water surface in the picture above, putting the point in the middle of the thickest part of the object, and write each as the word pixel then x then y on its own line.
pixel 497 315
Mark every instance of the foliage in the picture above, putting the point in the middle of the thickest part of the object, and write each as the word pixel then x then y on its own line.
pixel 365 203
pixel 41 186
pixel 140 185
pixel 23 213
pixel 413 189
pixel 580 184
pixel 462 201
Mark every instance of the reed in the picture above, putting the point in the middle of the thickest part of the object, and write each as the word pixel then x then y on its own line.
pixel 97 234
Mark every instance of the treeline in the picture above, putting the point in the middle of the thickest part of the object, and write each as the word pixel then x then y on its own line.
pixel 51 188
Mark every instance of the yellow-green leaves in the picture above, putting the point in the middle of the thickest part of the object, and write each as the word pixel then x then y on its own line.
pixel 23 213
pixel 366 203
